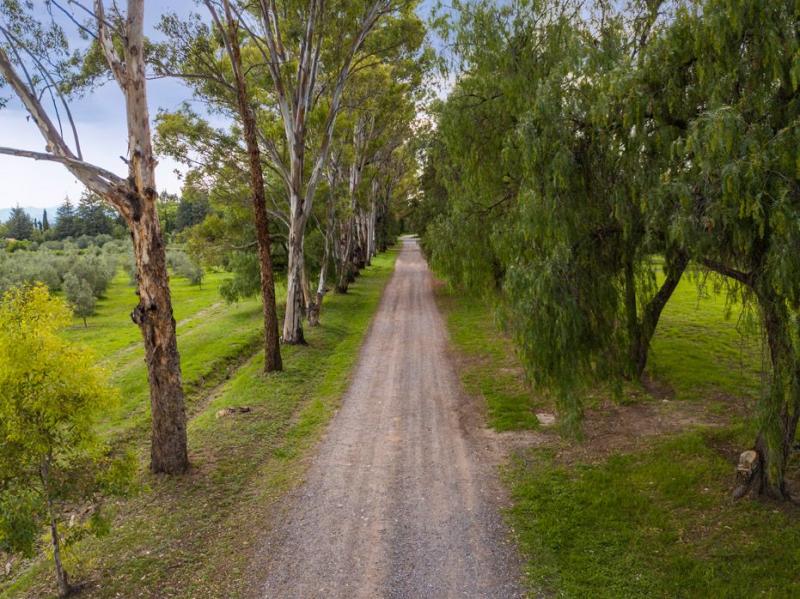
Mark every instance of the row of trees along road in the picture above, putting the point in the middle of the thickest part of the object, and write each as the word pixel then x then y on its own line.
pixel 584 149
pixel 314 54
pixel 313 141
pixel 282 72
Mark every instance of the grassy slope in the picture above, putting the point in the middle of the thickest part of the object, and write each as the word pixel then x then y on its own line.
pixel 198 535
pixel 655 523
pixel 202 318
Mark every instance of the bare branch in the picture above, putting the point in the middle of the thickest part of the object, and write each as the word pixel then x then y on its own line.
pixel 107 44
pixel 72 18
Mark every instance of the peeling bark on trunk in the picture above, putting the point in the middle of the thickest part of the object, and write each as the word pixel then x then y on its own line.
pixel 154 312
pixel 153 315
pixel 315 307
pixel 134 198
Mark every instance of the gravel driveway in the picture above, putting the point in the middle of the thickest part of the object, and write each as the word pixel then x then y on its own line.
pixel 402 499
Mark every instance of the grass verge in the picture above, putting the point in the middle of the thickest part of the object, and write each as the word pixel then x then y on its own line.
pixel 656 520
pixel 488 366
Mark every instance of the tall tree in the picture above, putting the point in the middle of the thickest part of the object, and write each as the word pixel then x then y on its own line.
pixel 92 216
pixel 66 224
pixel 230 30
pixel 121 43
pixel 330 38
pixel 45 222
pixel 19 225
pixel 192 208
pixel 732 189
pixel 295 114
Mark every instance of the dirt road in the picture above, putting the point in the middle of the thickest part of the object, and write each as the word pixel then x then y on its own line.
pixel 401 500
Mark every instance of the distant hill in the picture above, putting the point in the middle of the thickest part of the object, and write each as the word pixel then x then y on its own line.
pixel 32 212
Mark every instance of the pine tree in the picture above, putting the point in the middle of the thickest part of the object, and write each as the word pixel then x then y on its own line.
pixel 19 224
pixel 92 217
pixel 66 225
pixel 45 224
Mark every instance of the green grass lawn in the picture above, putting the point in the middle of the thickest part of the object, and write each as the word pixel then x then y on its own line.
pixel 704 347
pixel 212 336
pixel 111 329
pixel 490 367
pixel 656 522
pixel 198 535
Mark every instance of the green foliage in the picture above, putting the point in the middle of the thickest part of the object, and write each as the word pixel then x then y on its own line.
pixel 66 225
pixel 246 279
pixel 93 217
pixel 585 156
pixel 51 267
pixel 185 267
pixel 79 295
pixel 656 521
pixel 192 209
pixel 51 394
pixel 244 465
pixel 19 225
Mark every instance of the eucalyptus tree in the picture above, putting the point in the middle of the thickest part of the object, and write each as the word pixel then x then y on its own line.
pixel 310 50
pixel 118 40
pixel 308 53
pixel 378 110
pixel 210 59
pixel 229 29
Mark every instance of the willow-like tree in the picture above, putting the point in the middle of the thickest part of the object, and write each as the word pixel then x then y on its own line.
pixel 726 80
pixel 119 41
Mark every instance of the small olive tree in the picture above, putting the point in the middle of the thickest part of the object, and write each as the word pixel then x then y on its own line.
pixel 80 297
pixel 52 464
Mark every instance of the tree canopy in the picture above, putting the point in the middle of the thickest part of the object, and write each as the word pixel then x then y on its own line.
pixel 587 156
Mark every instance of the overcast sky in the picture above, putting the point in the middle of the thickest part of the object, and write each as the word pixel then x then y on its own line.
pixel 100 119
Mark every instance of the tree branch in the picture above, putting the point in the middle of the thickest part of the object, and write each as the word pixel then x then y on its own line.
pixel 743 277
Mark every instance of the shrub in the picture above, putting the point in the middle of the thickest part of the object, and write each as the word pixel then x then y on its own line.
pixel 80 296
pixel 51 459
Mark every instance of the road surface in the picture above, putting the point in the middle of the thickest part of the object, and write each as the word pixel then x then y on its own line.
pixel 402 498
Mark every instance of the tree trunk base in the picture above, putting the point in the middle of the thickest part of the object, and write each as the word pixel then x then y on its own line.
pixel 753 481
